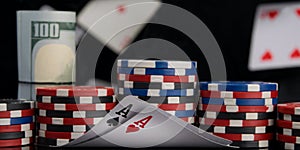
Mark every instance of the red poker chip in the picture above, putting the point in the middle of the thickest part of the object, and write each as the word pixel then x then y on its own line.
pixel 17 128
pixel 68 121
pixel 288 124
pixel 289 108
pixel 16 142
pixel 156 78
pixel 186 106
pixel 236 123
pixel 71 91
pixel 288 138
pixel 60 135
pixel 245 137
pixel 233 94
pixel 17 113
pixel 76 107
pixel 238 109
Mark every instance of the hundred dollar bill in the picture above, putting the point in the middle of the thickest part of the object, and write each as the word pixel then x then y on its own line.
pixel 46 46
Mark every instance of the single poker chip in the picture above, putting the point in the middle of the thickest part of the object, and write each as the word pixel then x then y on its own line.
pixel 60 135
pixel 288 117
pixel 236 123
pixel 289 108
pixel 17 128
pixel 157 85
pixel 239 86
pixel 75 100
pixel 288 138
pixel 186 106
pixel 252 144
pixel 239 102
pixel 290 132
pixel 17 113
pixel 68 121
pixel 188 119
pixel 165 99
pixel 52 142
pixel 224 108
pixel 16 135
pixel 157 78
pixel 14 104
pixel 182 113
pixel 156 92
pixel 16 121
pixel 286 145
pixel 64 128
pixel 16 142
pixel 154 71
pixel 72 114
pixel 237 130
pixel 236 116
pixel 76 107
pixel 71 91
pixel 245 137
pixel 233 94
pixel 288 124
pixel 135 63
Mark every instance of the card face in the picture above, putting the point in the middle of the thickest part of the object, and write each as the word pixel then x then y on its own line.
pixel 127 108
pixel 117 22
pixel 276 37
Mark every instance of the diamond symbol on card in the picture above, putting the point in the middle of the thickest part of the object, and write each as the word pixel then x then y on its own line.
pixel 298 11
pixel 267 56
pixel 295 54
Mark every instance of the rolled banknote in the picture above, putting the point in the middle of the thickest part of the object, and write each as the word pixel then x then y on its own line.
pixel 46 46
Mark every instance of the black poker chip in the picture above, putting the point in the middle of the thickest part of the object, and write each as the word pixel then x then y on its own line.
pixel 238 130
pixel 63 128
pixel 252 144
pixel 52 142
pixel 236 116
pixel 75 100
pixel 164 99
pixel 290 146
pixel 290 132
pixel 16 135
pixel 15 104
pixel 72 114
pixel 289 117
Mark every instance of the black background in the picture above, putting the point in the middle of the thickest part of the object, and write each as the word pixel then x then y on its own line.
pixel 230 21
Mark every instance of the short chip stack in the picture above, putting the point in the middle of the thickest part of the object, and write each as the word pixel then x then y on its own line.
pixel 169 85
pixel 16 122
pixel 239 111
pixel 288 125
pixel 66 113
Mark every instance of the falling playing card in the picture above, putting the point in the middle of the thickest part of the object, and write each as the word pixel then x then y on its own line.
pixel 117 22
pixel 276 37
pixel 127 108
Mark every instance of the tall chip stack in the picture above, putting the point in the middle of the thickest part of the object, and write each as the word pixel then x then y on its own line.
pixel 16 123
pixel 288 125
pixel 243 112
pixel 66 113
pixel 169 85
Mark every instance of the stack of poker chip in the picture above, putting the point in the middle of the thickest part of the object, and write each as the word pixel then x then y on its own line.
pixel 16 123
pixel 169 85
pixel 288 125
pixel 66 113
pixel 239 111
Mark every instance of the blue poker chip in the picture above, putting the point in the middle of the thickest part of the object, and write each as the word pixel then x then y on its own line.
pixel 16 121
pixel 154 71
pixel 240 86
pixel 182 113
pixel 134 63
pixel 239 102
pixel 156 92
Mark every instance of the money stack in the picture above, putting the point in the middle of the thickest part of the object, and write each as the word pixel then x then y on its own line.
pixel 288 125
pixel 16 123
pixel 46 46
pixel 66 113
pixel 243 112
pixel 169 85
